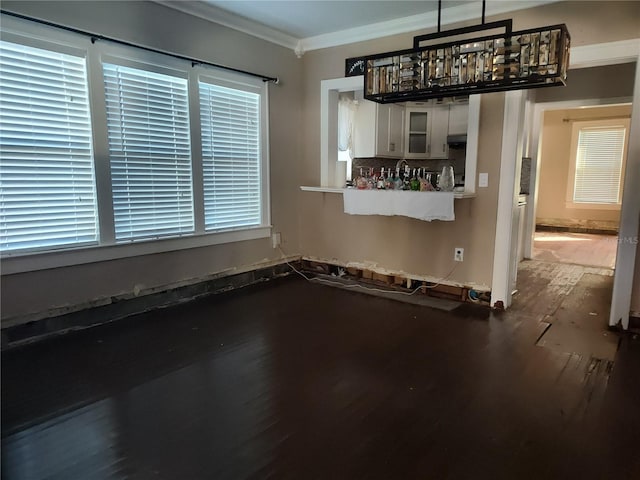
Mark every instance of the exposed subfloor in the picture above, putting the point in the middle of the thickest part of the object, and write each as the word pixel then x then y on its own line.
pixel 596 250
pixel 304 381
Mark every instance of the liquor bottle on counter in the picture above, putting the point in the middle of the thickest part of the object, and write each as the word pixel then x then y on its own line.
pixel 415 183
pixel 371 180
pixel 397 181
pixel 425 182
pixel 406 182
pixel 380 183
pixel 361 181
pixel 388 180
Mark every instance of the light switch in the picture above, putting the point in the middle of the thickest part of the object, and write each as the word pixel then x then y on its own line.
pixel 483 180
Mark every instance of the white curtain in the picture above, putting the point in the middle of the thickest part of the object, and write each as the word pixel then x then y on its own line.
pixel 346 114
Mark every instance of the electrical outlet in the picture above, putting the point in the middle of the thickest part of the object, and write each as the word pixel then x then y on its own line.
pixel 276 239
pixel 458 254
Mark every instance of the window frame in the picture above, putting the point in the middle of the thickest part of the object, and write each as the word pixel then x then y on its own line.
pixel 576 127
pixel 40 36
pixel 251 85
pixel 81 55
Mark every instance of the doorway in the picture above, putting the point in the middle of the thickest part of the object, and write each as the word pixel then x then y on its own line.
pixel 582 165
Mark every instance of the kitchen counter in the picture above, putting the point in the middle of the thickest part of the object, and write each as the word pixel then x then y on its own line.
pixel 456 195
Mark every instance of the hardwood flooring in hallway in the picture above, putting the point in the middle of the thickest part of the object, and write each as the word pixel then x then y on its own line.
pixel 576 248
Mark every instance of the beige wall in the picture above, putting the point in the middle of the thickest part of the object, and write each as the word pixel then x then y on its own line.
pixel 159 27
pixel 556 164
pixel 611 81
pixel 402 244
pixel 412 246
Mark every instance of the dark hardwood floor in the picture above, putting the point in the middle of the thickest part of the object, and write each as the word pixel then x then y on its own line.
pixel 297 380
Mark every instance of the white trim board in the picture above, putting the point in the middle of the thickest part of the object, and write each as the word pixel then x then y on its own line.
pixel 222 17
pixel 512 135
pixel 329 90
pixel 601 54
pixel 629 220
pixel 415 23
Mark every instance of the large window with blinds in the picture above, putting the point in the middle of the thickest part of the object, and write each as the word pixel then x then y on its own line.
pixel 599 151
pixel 230 120
pixel 47 188
pixel 151 154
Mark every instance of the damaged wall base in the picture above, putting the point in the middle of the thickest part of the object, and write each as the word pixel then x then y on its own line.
pixel 398 282
pixel 19 331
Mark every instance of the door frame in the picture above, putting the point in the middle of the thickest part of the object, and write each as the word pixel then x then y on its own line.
pixel 536 153
pixel 625 51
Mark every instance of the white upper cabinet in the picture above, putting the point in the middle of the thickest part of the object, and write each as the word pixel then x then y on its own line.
pixel 379 130
pixel 426 131
pixel 458 118
pixel 418 121
pixel 390 138
pixel 439 131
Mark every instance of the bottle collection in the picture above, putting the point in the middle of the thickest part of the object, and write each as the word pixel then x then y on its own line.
pixel 418 179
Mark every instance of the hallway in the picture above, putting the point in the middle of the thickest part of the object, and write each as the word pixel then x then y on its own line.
pixel 296 380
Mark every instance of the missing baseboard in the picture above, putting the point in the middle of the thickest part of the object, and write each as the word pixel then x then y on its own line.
pixel 17 333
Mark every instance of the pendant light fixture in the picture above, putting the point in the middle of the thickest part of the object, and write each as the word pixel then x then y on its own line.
pixel 444 65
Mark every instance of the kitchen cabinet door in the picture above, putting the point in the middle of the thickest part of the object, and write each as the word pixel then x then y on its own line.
pixel 390 130
pixel 458 119
pixel 418 128
pixel 379 130
pixel 439 131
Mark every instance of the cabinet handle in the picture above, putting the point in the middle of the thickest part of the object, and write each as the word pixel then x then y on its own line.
pixel 443 146
pixel 429 148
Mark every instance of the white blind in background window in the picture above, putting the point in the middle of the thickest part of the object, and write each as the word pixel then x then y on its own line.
pixel 599 165
pixel 47 188
pixel 230 121
pixel 150 153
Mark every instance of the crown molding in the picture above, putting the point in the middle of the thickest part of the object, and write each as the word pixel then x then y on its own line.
pixel 217 15
pixel 413 23
pixel 610 53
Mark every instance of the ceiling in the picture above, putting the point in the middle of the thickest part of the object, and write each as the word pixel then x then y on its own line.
pixel 304 19
pixel 304 25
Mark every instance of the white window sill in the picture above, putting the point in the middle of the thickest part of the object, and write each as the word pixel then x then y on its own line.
pixel 29 262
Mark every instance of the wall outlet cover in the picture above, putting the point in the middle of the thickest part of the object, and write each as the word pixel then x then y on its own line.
pixel 276 239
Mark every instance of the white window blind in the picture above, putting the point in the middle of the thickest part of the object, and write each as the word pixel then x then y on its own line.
pixel 150 153
pixel 599 165
pixel 230 120
pixel 47 188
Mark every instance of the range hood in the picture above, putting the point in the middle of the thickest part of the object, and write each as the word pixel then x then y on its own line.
pixel 457 141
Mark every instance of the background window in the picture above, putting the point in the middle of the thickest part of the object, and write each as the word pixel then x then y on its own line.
pixel 599 165
pixel 149 152
pixel 47 188
pixel 231 157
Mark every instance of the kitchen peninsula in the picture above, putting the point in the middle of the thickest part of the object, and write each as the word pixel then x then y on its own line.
pixel 333 173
